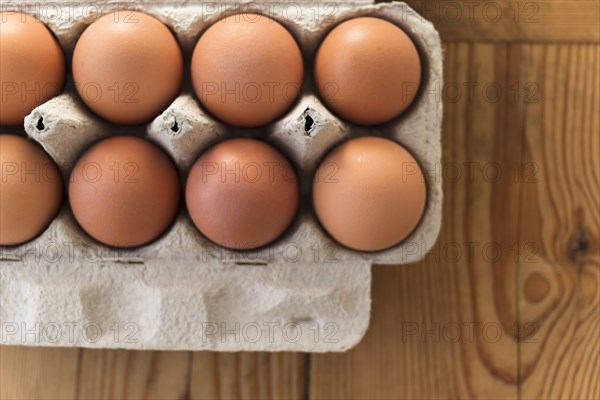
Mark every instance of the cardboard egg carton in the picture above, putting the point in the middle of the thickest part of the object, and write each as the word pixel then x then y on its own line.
pixel 302 293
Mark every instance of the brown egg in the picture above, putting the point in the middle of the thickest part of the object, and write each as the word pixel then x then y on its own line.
pixel 369 193
pixel 247 70
pixel 242 193
pixel 31 190
pixel 367 71
pixel 32 66
pixel 127 67
pixel 124 191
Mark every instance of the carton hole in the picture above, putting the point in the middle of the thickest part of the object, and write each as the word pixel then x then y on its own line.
pixel 175 126
pixel 309 122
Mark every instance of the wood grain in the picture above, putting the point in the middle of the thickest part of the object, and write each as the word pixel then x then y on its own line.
pixel 120 374
pixel 559 306
pixel 539 21
pixel 248 376
pixel 109 374
pixel 506 305
pixel 38 373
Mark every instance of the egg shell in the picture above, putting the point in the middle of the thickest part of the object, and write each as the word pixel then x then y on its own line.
pixel 25 82
pixel 127 67
pixel 242 193
pixel 247 70
pixel 367 70
pixel 369 193
pixel 31 190
pixel 124 191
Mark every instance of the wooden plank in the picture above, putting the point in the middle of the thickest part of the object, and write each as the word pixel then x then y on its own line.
pixel 466 285
pixel 248 375
pixel 565 21
pixel 559 284
pixel 38 373
pixel 45 373
pixel 120 374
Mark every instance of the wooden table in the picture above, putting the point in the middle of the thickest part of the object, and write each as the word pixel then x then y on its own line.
pixel 506 305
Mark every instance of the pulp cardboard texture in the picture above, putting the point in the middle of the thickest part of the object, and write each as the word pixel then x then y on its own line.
pixel 302 293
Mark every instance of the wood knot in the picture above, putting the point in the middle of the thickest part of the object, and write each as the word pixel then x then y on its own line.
pixel 578 244
pixel 536 287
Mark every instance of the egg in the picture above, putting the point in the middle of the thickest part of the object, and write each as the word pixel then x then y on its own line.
pixel 32 66
pixel 247 70
pixel 127 67
pixel 124 191
pixel 369 193
pixel 242 193
pixel 31 190
pixel 367 71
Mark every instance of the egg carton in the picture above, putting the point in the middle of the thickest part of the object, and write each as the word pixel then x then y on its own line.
pixel 302 293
